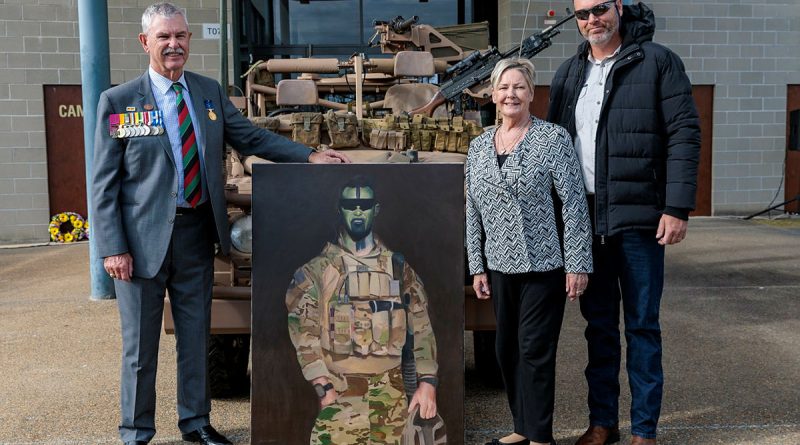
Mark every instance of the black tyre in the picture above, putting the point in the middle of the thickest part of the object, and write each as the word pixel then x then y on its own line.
pixel 486 359
pixel 228 357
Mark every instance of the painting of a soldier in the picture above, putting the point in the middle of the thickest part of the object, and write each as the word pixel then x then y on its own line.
pixel 358 317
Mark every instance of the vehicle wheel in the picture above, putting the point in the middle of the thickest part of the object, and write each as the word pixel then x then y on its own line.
pixel 228 356
pixel 486 359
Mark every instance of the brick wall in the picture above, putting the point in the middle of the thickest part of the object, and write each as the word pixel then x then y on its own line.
pixel 39 45
pixel 747 49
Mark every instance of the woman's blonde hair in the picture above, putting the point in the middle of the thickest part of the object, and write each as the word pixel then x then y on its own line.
pixel 525 66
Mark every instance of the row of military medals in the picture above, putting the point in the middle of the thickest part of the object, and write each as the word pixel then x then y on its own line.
pixel 135 124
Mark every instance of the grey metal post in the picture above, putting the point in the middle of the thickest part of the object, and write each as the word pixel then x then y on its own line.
pixel 223 44
pixel 95 78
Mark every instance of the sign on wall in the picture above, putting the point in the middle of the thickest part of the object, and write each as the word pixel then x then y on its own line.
pixel 66 168
pixel 214 31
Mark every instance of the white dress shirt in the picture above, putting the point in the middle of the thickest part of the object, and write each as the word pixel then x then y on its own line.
pixel 166 99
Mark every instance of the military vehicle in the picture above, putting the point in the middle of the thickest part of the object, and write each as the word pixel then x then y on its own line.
pixel 376 110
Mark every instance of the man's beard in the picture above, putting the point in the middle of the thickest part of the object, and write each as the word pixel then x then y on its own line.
pixel 603 38
pixel 357 231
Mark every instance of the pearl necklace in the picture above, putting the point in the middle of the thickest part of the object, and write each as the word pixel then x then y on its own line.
pixel 503 147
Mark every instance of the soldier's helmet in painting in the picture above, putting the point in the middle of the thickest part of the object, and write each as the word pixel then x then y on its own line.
pixel 419 431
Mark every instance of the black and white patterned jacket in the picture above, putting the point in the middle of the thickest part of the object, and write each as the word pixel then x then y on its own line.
pixel 513 205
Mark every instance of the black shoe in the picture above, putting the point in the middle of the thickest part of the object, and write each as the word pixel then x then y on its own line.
pixel 206 435
pixel 136 442
pixel 519 442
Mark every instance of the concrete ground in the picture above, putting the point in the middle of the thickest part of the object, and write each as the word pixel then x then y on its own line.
pixel 730 320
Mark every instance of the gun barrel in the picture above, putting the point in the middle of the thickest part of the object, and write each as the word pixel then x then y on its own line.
pixel 557 25
pixel 477 68
pixel 401 26
pixel 539 41
pixel 464 63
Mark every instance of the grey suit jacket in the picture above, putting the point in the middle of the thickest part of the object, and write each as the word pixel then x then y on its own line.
pixel 513 205
pixel 134 181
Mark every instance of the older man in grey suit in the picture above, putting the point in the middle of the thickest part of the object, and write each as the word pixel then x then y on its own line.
pixel 158 209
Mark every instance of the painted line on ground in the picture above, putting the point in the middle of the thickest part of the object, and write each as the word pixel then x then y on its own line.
pixel 770 286
pixel 714 426
pixel 237 438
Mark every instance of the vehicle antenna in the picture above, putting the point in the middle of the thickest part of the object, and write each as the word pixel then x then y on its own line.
pixel 524 29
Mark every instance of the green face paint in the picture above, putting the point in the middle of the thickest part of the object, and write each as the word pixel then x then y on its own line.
pixel 358 209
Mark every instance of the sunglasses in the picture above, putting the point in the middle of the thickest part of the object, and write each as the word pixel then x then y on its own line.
pixel 596 10
pixel 351 204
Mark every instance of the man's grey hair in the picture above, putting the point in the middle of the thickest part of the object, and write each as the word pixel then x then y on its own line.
pixel 164 9
pixel 524 65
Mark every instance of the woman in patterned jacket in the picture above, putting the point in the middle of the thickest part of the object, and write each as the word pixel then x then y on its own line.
pixel 514 248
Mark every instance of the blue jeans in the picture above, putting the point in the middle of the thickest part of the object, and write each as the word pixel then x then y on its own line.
pixel 627 267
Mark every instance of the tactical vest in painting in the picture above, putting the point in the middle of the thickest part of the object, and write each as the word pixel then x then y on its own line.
pixel 366 315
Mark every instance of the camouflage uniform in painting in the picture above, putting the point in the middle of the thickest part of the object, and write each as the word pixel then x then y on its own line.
pixel 349 317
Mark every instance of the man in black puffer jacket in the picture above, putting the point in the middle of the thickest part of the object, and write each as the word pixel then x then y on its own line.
pixel 628 104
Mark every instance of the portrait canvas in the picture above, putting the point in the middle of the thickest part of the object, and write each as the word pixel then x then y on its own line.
pixel 358 301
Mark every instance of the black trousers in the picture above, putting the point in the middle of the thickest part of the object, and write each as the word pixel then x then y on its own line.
pixel 529 309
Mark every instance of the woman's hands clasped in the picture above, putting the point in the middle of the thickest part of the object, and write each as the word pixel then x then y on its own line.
pixel 576 285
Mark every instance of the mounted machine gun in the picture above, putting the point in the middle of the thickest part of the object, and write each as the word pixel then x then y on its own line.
pixel 401 34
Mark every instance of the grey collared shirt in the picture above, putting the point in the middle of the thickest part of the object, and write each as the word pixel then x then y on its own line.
pixel 166 99
pixel 587 113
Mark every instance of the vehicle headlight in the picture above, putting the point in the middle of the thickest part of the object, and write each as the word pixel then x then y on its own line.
pixel 242 234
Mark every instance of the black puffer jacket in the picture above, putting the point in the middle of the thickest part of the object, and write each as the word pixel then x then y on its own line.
pixel 648 137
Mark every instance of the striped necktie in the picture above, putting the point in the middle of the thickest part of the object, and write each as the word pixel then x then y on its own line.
pixel 192 190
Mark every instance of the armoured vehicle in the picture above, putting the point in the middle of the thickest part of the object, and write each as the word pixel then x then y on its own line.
pixel 376 110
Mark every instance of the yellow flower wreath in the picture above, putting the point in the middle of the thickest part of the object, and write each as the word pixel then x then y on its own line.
pixel 66 227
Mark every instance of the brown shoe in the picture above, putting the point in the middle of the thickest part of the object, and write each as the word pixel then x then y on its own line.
pixel 636 440
pixel 599 435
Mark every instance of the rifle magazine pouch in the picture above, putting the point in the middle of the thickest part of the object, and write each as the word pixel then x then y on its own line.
pixel 362 328
pixel 342 324
pixel 416 132
pixel 428 135
pixel 404 126
pixel 456 135
pixel 377 139
pixel 474 130
pixel 383 139
pixel 400 141
pixel 442 134
pixel 306 128
pixel 342 129
pixel 381 328
pixel 373 137
pixel 367 125
pixel 391 139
